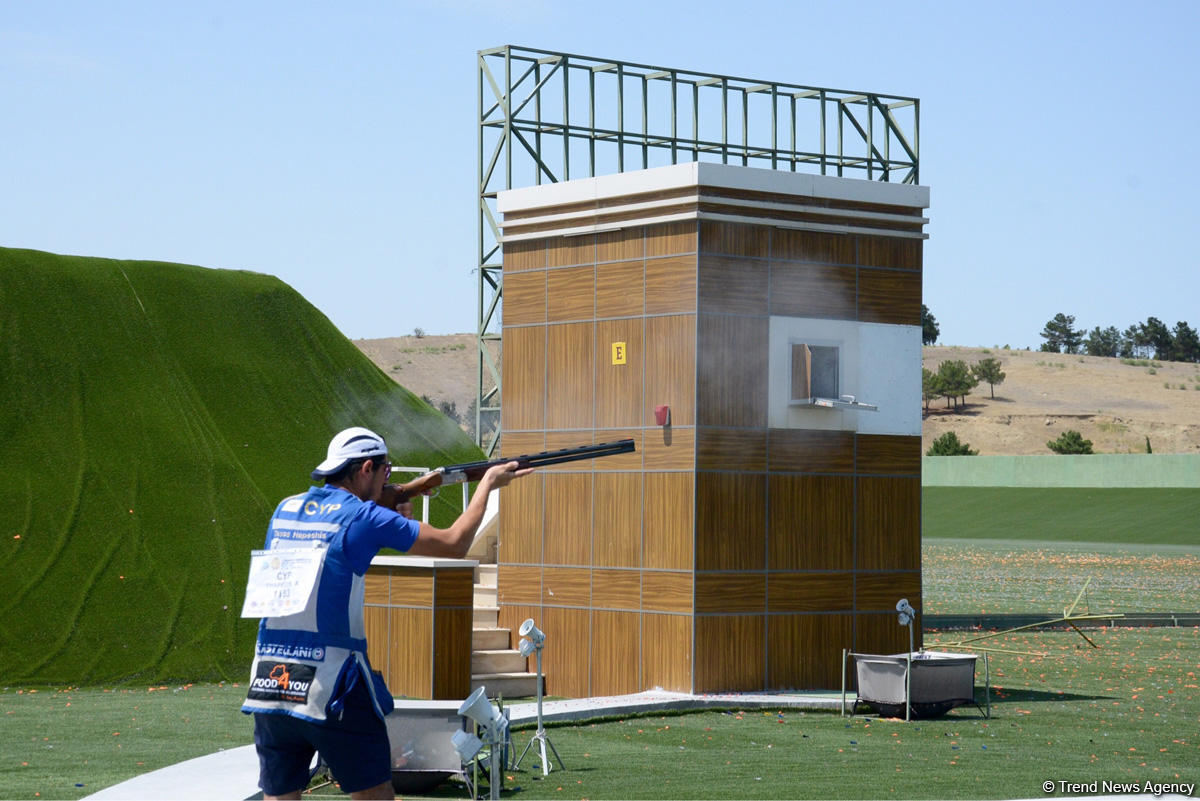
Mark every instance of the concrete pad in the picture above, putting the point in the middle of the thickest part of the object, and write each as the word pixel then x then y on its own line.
pixel 231 773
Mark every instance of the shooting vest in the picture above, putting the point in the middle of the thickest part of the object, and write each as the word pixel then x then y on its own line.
pixel 305 664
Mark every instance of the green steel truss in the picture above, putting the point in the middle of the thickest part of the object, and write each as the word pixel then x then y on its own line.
pixel 546 117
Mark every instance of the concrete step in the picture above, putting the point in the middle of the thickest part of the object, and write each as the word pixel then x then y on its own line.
pixel 485 596
pixel 485 575
pixel 498 661
pixel 490 638
pixel 485 616
pixel 510 685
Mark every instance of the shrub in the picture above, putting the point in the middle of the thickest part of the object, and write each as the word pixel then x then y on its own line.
pixel 1070 442
pixel 948 444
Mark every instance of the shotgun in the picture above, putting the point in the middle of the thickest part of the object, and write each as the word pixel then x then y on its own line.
pixel 473 471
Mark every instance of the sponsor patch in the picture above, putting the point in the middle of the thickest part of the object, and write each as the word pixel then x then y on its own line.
pixel 288 682
pixel 313 653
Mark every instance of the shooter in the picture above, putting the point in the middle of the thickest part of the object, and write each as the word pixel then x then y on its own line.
pixel 311 686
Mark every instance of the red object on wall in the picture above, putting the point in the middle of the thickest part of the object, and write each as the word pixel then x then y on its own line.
pixel 662 415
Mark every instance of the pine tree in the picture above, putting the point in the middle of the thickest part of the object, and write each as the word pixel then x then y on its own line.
pixel 1061 335
pixel 988 370
pixel 1186 343
pixel 931 386
pixel 929 326
pixel 956 380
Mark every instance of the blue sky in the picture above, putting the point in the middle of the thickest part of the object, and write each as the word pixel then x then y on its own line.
pixel 333 145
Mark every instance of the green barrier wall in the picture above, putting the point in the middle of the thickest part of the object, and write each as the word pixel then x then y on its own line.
pixel 1053 470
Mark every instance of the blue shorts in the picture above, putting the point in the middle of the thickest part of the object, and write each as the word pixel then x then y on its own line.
pixel 355 747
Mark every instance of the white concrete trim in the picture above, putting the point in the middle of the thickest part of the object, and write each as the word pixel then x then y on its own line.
pixel 425 562
pixel 806 209
pixel 733 176
pixel 586 214
pixel 599 228
pixel 802 225
pixel 703 173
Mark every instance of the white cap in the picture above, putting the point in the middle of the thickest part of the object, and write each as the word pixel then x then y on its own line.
pixel 348 445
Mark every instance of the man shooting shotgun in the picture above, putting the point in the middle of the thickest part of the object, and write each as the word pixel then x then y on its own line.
pixel 394 495
pixel 311 686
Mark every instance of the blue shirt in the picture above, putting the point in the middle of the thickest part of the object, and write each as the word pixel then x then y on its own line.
pixel 322 650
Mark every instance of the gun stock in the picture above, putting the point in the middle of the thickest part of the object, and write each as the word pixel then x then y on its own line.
pixel 473 471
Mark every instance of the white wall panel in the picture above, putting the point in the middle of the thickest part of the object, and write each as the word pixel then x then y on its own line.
pixel 879 364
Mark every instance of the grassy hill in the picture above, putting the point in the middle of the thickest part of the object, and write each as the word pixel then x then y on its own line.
pixel 151 416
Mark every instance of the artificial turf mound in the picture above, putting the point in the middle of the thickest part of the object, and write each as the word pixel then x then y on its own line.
pixel 153 415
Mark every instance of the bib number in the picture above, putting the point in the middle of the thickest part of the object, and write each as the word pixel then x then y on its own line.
pixel 281 581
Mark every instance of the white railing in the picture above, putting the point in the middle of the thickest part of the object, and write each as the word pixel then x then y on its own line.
pixel 466 496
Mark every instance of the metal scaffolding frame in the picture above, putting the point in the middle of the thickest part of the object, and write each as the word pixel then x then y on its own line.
pixel 542 113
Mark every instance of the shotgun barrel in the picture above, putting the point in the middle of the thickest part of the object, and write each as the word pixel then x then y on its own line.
pixel 473 471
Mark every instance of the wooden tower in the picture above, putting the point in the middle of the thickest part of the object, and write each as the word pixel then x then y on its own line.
pixel 775 518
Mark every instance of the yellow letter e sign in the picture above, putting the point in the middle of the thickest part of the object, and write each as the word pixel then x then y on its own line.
pixel 618 353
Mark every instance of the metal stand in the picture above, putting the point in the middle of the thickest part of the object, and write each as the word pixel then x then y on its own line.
pixel 987 684
pixel 908 677
pixel 540 736
pixel 494 773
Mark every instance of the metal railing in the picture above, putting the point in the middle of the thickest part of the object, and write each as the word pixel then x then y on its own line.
pixel 545 117
pixel 425 501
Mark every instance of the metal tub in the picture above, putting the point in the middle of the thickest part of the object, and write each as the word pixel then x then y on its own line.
pixel 940 681
pixel 422 754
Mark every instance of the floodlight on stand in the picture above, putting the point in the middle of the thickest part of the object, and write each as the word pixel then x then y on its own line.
pixel 906 616
pixel 534 644
pixel 479 709
pixel 466 744
pixel 495 728
pixel 530 630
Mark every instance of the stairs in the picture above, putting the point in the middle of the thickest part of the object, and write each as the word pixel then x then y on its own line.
pixel 494 663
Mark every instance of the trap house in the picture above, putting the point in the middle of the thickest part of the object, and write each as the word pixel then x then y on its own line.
pixel 757 333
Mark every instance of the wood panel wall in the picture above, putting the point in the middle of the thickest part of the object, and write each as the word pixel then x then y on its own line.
pixel 418 625
pixel 804 538
pixel 723 555
pixel 604 547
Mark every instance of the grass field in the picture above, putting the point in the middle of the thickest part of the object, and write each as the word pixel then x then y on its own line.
pixel 1125 712
pixel 71 742
pixel 1135 516
pixel 996 577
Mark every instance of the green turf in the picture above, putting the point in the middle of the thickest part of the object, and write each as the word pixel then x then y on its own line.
pixel 72 742
pixel 1138 516
pixel 1124 712
pixel 980 577
pixel 153 414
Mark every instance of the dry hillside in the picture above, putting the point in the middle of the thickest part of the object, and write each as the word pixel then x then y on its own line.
pixel 441 368
pixel 1115 405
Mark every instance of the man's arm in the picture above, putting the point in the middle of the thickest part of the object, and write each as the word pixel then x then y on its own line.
pixel 455 541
